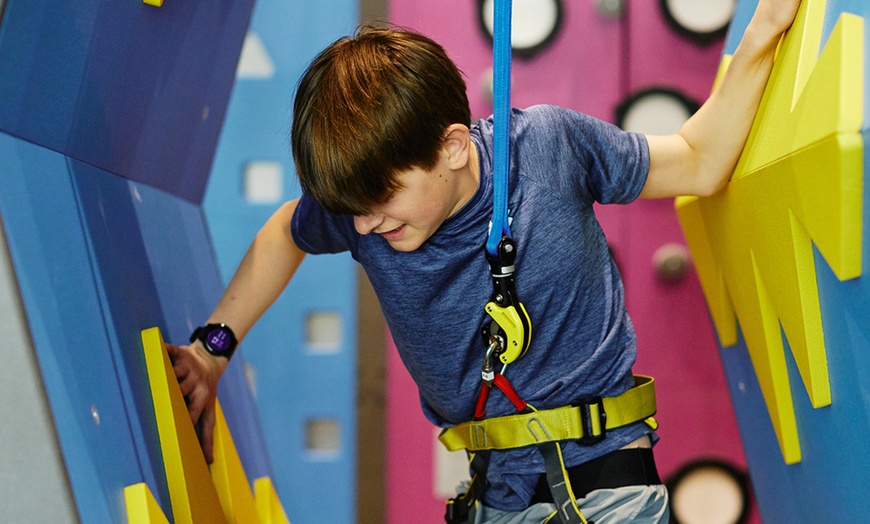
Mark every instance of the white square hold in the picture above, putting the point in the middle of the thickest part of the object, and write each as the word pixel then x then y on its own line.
pixel 264 182
pixel 323 332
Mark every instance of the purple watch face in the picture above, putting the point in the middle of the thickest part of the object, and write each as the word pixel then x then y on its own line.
pixel 219 340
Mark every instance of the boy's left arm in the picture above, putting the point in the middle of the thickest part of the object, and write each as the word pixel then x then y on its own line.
pixel 700 159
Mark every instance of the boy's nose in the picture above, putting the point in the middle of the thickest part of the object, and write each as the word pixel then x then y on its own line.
pixel 365 224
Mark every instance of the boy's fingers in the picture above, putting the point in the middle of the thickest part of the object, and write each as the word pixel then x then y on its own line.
pixel 186 385
pixel 207 434
pixel 182 369
pixel 202 414
pixel 195 405
pixel 174 352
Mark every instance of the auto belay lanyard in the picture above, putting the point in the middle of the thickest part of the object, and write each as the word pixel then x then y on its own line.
pixel 508 331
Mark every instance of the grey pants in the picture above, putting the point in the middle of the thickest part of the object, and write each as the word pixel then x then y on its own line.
pixel 630 504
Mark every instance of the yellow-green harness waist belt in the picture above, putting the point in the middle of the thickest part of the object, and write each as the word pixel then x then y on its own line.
pixel 565 423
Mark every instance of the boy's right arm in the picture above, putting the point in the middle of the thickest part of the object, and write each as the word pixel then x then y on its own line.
pixel 264 272
pixel 700 159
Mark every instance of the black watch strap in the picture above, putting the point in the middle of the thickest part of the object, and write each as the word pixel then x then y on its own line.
pixel 218 339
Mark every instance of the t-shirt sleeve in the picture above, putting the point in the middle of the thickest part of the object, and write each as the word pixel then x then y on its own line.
pixel 611 165
pixel 318 231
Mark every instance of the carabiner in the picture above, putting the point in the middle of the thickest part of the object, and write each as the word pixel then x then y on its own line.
pixel 487 371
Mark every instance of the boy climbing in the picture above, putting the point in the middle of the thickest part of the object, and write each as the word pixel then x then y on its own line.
pixel 393 171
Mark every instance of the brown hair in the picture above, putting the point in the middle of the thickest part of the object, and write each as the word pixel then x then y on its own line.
pixel 368 107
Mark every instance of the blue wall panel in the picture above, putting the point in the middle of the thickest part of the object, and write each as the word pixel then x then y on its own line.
pixel 99 259
pixel 128 298
pixel 94 94
pixel 293 385
pixel 188 285
pixel 830 482
pixel 134 89
pixel 53 261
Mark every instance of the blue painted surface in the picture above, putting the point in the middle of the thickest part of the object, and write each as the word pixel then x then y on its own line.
pixel 127 297
pixel 829 484
pixel 112 92
pixel 742 15
pixel 86 276
pixel 133 89
pixel 293 385
pixel 53 261
pixel 187 284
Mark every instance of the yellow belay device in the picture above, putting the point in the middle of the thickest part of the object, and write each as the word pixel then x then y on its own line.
pixel 507 338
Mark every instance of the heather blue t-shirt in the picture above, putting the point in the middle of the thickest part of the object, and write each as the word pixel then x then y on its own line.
pixel 583 344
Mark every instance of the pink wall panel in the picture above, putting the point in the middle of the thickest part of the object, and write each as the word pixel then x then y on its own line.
pixel 582 69
pixel 657 55
pixel 409 456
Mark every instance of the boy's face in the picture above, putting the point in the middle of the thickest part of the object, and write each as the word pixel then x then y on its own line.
pixel 415 211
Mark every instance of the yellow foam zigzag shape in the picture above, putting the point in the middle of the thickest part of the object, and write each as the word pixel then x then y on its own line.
pixel 229 476
pixel 798 182
pixel 197 496
pixel 268 505
pixel 142 508
pixel 191 490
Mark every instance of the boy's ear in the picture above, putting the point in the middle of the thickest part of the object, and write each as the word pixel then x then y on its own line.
pixel 457 145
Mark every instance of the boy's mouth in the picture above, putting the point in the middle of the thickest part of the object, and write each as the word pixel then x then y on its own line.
pixel 394 234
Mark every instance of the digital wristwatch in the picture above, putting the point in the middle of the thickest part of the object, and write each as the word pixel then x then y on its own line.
pixel 218 339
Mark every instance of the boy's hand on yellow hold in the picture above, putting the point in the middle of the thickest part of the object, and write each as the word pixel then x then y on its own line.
pixel 198 373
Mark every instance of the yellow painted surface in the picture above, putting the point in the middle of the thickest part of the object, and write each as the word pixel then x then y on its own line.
pixel 142 507
pixel 197 495
pixel 268 505
pixel 155 3
pixel 229 477
pixel 799 182
pixel 191 490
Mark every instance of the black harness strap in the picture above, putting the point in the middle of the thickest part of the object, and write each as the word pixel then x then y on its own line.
pixel 617 469
pixel 560 484
pixel 460 508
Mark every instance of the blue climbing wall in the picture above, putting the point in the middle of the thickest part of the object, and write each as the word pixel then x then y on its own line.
pixel 136 90
pixel 109 118
pixel 298 387
pixel 830 481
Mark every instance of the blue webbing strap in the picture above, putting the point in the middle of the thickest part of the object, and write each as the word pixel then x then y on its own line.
pixel 501 104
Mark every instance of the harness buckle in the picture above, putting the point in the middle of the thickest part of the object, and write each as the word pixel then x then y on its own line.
pixel 594 421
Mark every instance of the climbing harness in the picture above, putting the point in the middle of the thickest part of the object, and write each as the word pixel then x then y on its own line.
pixel 507 337
pixel 584 422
